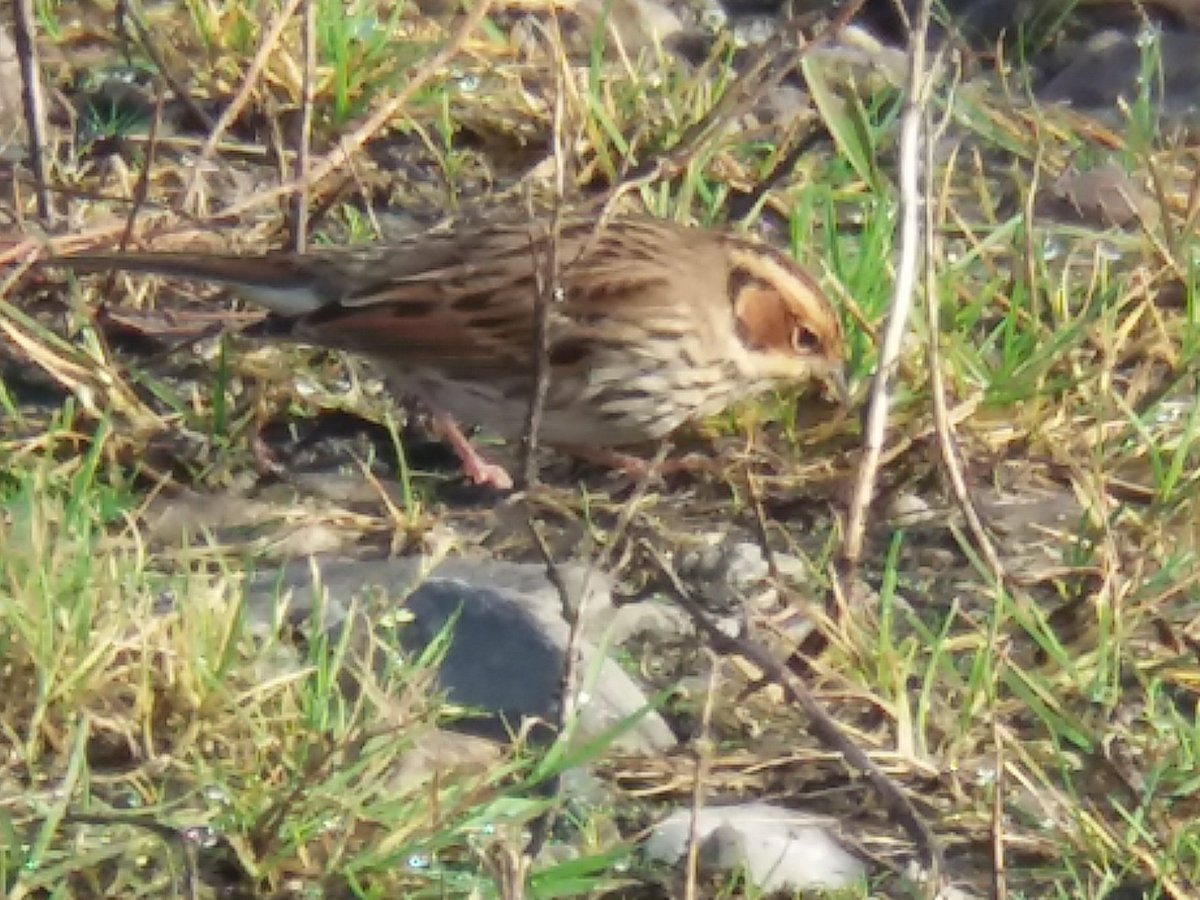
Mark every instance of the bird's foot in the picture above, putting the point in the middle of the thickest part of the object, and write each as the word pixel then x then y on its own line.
pixel 478 469
pixel 637 467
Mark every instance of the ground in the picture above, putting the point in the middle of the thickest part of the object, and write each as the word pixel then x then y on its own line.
pixel 1042 722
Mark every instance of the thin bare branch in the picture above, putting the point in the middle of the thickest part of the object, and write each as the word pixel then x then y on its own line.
pixel 124 15
pixel 25 38
pixel 304 137
pixel 911 242
pixel 823 726
pixel 141 190
pixel 339 157
pixel 942 420
pixel 573 605
pixel 702 747
pixel 549 290
pixel 240 99
pixel 765 71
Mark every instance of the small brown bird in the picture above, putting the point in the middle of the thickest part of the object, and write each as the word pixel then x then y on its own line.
pixel 652 324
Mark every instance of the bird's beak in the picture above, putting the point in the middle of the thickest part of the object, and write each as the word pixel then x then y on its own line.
pixel 836 387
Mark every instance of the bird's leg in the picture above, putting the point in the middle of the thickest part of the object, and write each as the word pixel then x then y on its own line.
pixel 478 469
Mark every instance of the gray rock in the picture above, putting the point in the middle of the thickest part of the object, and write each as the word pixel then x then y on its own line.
pixel 1106 68
pixel 776 848
pixel 657 619
pixel 1103 197
pixel 634 24
pixel 524 584
pixel 508 633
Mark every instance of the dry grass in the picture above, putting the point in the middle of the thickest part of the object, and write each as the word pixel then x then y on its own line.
pixel 158 740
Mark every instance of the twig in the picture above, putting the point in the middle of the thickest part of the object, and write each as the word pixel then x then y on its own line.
pixel 150 48
pixel 547 293
pixel 546 274
pixel 574 609
pixel 181 93
pixel 141 190
pixel 948 447
pixel 942 420
pixel 762 529
pixel 25 38
pixel 1029 217
pixel 999 793
pixel 783 167
pixel 351 143
pixel 702 747
pixel 304 137
pixel 766 70
pixel 823 726
pixel 902 295
pixel 240 99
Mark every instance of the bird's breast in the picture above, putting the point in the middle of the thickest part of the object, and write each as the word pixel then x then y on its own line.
pixel 618 397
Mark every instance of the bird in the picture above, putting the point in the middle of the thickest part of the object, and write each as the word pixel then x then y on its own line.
pixel 648 324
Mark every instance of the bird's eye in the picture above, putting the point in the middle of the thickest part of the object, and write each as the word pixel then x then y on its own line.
pixel 805 341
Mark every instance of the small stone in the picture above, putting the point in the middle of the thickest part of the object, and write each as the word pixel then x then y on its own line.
pixel 779 849
pixel 725 573
pixel 1104 197
pixel 909 509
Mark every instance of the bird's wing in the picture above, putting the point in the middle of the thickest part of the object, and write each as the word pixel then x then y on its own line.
pixel 472 307
pixel 464 299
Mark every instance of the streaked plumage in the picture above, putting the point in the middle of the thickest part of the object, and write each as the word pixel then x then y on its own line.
pixel 654 324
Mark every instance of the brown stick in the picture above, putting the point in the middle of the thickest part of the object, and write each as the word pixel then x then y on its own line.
pixel 304 137
pixel 338 157
pixel 546 273
pixel 240 99
pixel 770 65
pixel 820 722
pixel 902 295
pixel 25 38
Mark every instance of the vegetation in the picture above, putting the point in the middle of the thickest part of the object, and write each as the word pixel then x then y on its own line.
pixel 159 739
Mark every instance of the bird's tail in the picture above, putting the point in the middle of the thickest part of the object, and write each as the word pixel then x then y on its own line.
pixel 275 283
